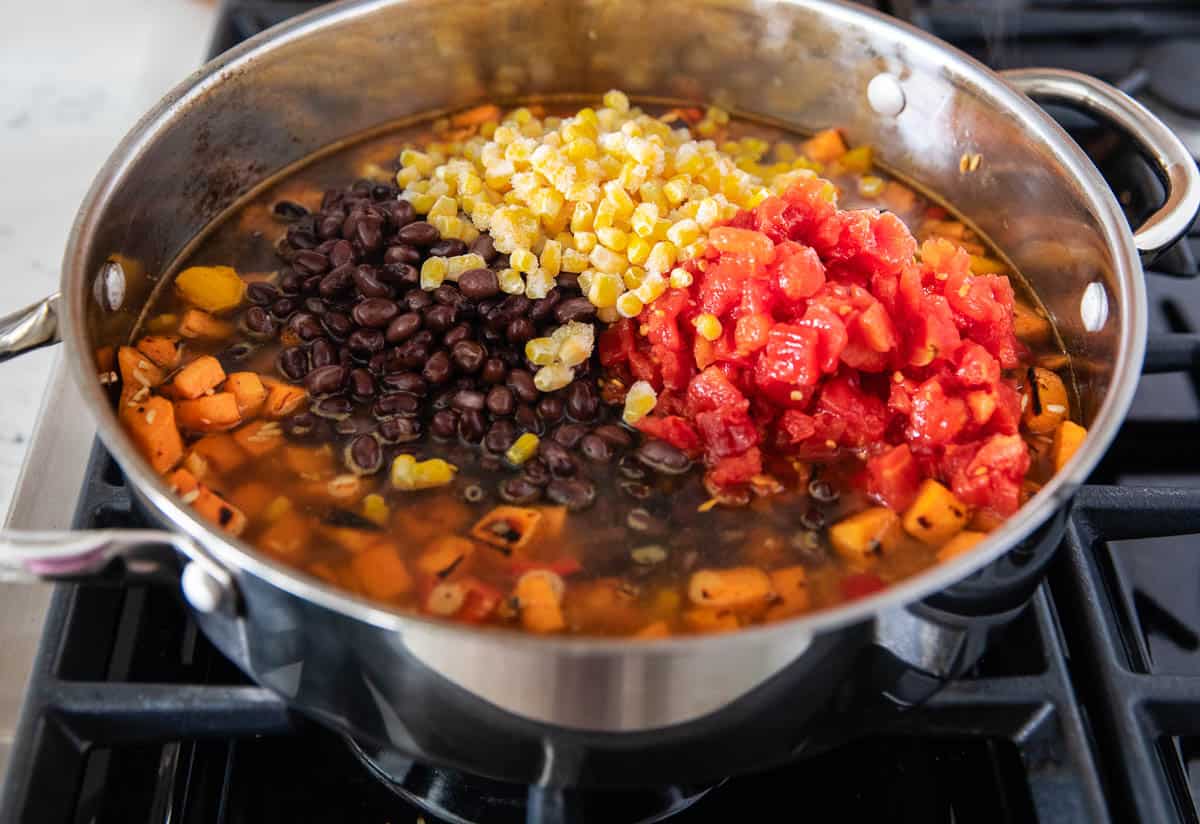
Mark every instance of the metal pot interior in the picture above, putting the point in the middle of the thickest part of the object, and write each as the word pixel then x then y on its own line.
pixel 346 70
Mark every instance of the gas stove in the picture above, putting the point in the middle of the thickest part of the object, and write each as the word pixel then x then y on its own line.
pixel 1087 709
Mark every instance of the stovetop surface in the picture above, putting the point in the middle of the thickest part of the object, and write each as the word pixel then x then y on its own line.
pixel 1086 710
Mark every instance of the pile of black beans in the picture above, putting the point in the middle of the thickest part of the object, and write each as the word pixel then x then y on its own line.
pixel 389 366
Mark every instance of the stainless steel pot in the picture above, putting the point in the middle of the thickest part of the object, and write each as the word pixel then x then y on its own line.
pixel 572 710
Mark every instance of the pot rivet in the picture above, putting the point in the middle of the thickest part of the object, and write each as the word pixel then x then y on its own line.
pixel 1093 307
pixel 109 287
pixel 885 94
pixel 202 590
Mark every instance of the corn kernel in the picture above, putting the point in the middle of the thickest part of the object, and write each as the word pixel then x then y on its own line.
pixel 523 260
pixel 444 205
pixel 680 278
pixel 708 213
pixel 538 284
pixel 708 326
pixel 375 509
pixel 606 215
pixel 585 279
pixel 407 474
pixel 541 351
pixel 633 277
pixel 423 163
pixel 676 189
pixel 421 203
pixel 581 217
pixel 553 377
pixel 458 264
pixel 653 285
pixel 613 238
pixel 604 290
pixel 574 261
pixel 638 250
pixel 620 199
pixel 661 258
pixel 684 232
pixel 448 227
pixel 433 272
pixel 575 350
pixel 870 186
pixel 585 241
pixel 551 258
pixel 524 448
pixel 629 305
pixel 616 100
pixel 511 282
pixel 639 401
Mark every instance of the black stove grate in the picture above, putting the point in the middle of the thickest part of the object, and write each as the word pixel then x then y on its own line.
pixel 1087 710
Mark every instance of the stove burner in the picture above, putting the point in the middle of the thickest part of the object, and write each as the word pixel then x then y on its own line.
pixel 460 798
pixel 1172 74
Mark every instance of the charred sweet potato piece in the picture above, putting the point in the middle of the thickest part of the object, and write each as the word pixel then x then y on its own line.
pixel 164 350
pixel 210 413
pixel 151 424
pixel 198 377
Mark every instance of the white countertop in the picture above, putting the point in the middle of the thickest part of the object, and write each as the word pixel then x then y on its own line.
pixel 77 75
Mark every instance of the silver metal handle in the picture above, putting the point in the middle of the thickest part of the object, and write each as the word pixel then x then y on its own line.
pixel 29 328
pixel 1175 164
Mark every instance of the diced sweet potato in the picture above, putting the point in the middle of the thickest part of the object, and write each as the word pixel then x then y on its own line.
pixel 286 538
pixel 310 463
pixel 657 629
pixel 259 438
pixel 737 588
pixel 825 146
pixel 182 481
pixel 898 197
pixel 151 425
pixel 200 325
pixel 862 537
pixel 351 540
pixel 211 288
pixel 936 515
pixel 381 572
pixel 220 452
pixel 137 370
pixel 212 507
pixel 283 399
pixel 508 527
pixel 444 554
pixel 250 393
pixel 539 596
pixel 345 490
pixel 960 543
pixel 1046 402
pixel 790 585
pixel 210 413
pixel 475 116
pixel 199 376
pixel 253 498
pixel 164 350
pixel 709 619
pixel 1029 326
pixel 1067 440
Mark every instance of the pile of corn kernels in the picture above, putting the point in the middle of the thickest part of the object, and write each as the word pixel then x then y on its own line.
pixel 611 194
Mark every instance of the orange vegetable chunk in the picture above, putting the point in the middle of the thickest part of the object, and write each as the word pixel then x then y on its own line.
pixel 283 399
pixel 210 413
pixel 259 438
pixel 200 325
pixel 382 572
pixel 151 424
pixel 220 452
pixel 250 393
pixel 164 350
pixel 199 376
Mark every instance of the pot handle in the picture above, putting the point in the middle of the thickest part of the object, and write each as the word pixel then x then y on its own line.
pixel 29 328
pixel 1176 167
pixel 146 555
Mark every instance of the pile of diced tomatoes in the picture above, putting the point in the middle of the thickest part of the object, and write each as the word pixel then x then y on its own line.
pixel 837 340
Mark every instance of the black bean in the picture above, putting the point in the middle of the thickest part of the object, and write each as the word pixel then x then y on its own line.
pixel 500 436
pixel 334 409
pixel 822 492
pixel 288 210
pixel 444 423
pixel 399 430
pixel 662 457
pixel 570 434
pixel 321 353
pixel 419 233
pixel 439 318
pixel 636 490
pixel 369 232
pixel 543 310
pixel 493 371
pixel 528 420
pixel 536 472
pixel 596 448
pixel 337 282
pixel 416 300
pixel 261 294
pixel 573 493
pixel 408 382
pixel 616 436
pixel 520 330
pixel 259 324
pixel 364 455
pixel 368 283
pixel 354 425
pixel 376 313
pixel 631 468
pixel 403 327
pixel 485 247
pixel 329 226
pixel 305 426
pixel 289 283
pixel 306 326
pixel 396 404
pixel 283 308
pixel 448 247
pixel 514 306
pixel 558 459
pixel 448 295
pixel 500 401
pixel 582 401
pixel 401 213
pixel 568 281
pixel 293 363
pixel 403 254
pixel 519 491
pixel 471 425
pixel 459 332
pixel 413 354
pixel 311 284
pixel 341 254
pixel 302 234
pixel 316 306
pixel 813 519
pixel 361 384
pixel 236 354
pixel 350 224
pixel 325 380
pixel 478 284
pixel 362 187
pixel 550 409
pixel 468 356
pixel 310 262
pixel 574 309
pixel 437 368
pixel 468 399
pixel 363 343
pixel 522 385
pixel 337 324
pixel 640 520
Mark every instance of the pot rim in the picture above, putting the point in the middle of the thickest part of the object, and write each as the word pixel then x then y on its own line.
pixel 240 556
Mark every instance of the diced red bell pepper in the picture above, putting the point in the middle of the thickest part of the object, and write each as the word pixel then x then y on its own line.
pixel 712 389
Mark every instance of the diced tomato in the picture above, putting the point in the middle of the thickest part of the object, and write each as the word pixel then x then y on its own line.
pixel 936 417
pixel 753 248
pixel 894 477
pixel 726 432
pixel 788 364
pixel 831 335
pixel 861 584
pixel 736 469
pixel 992 477
pixel 976 366
pixel 863 415
pixel 795 427
pixel 642 367
pixel 617 342
pixel 720 289
pixel 672 429
pixel 712 389
pixel 798 271
pixel 751 332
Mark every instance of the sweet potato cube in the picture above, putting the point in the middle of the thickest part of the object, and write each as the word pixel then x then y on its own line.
pixel 200 325
pixel 212 507
pixel 1067 439
pixel 348 538
pixel 253 498
pixel 137 370
pixel 164 350
pixel 936 515
pixel 211 288
pixel 199 376
pixel 710 620
pixel 657 629
pixel 259 438
pixel 310 463
pixel 791 589
pixel 825 146
pixel 283 399
pixel 151 425
pixel 381 572
pixel 220 452
pixel 862 537
pixel 182 481
pixel 210 413
pixel 540 602
pixel 959 544
pixel 738 588
pixel 286 538
pixel 444 554
pixel 250 393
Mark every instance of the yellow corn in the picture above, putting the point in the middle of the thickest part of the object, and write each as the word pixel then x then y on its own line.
pixel 375 509
pixel 553 377
pixel 616 100
pixel 606 260
pixel 574 261
pixel 680 278
pixel 604 290
pixel 661 257
pixel 511 282
pixel 708 326
pixel 629 305
pixel 524 448
pixel 523 260
pixel 551 258
pixel 541 351
pixel 408 474
pixel 638 251
pixel 538 284
pixel 458 264
pixel 433 272
pixel 633 277
pixel 684 232
pixel 639 401
pixel 653 285
pixel 585 241
pixel 444 206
